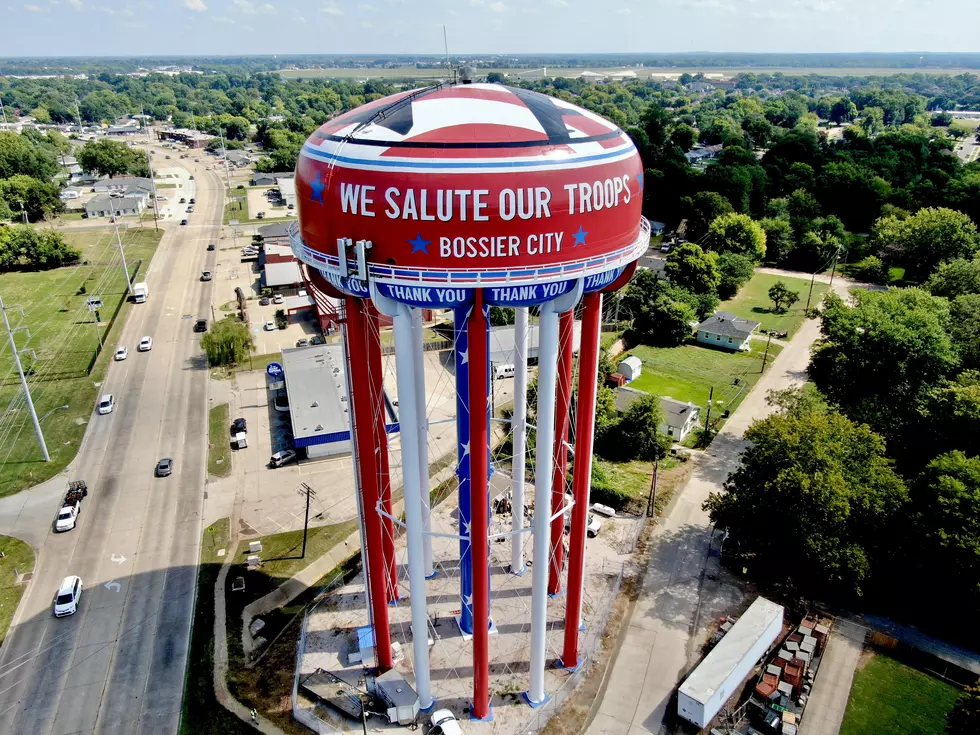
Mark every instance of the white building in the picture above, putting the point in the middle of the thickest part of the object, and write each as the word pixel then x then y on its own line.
pixel 680 419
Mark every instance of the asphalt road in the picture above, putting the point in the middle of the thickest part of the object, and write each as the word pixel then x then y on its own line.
pixel 117 665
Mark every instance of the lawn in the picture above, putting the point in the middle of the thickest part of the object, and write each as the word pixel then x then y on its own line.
pixel 63 369
pixel 752 302
pixel 889 698
pixel 281 552
pixel 687 373
pixel 18 557
pixel 236 208
pixel 201 713
pixel 219 441
pixel 254 362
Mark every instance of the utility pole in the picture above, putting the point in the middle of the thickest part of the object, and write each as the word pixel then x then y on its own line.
pixel 309 492
pixel 224 154
pixel 129 285
pixel 707 419
pixel 812 277
pixel 153 183
pixel 767 353
pixel 834 269
pixel 652 500
pixel 3 112
pixel 94 304
pixel 23 380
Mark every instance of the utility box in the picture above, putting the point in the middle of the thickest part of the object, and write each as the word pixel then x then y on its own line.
pixel 401 701
pixel 722 671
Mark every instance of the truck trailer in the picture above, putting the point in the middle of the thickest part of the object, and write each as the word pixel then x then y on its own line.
pixel 140 292
pixel 722 671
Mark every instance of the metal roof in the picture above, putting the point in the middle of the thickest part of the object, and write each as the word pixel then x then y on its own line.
pixel 282 274
pixel 316 382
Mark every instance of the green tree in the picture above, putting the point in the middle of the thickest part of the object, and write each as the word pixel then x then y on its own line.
pixel 965 328
pixel 932 236
pixel 870 270
pixel 808 466
pixel 689 267
pixel 684 137
pixel 27 194
pixel 734 270
pixel 703 209
pixel 737 233
pixel 227 342
pixel 878 358
pixel 19 156
pixel 499 316
pixel 964 719
pixel 636 434
pixel 25 248
pixel 782 297
pixel 843 111
pixel 955 278
pixel 661 316
pixel 779 238
pixel 110 158
pixel 495 77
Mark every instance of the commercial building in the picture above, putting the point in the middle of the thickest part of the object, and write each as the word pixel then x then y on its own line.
pixel 185 136
pixel 316 383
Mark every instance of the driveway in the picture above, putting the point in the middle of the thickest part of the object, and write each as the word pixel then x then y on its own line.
pixel 659 645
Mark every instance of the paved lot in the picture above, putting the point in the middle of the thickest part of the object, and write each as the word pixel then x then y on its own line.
pixel 117 666
pixel 832 687
pixel 658 647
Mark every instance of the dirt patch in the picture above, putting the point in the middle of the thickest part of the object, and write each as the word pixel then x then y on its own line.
pixel 867 655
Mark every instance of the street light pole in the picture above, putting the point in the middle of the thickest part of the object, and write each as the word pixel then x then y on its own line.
pixel 129 285
pixel 23 382
pixel 56 408
pixel 153 183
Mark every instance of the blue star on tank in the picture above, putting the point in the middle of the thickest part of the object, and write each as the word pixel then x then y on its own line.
pixel 317 186
pixel 579 237
pixel 419 244
pixel 639 180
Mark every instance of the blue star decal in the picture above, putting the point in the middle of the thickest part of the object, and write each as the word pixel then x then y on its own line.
pixel 579 237
pixel 317 187
pixel 639 179
pixel 419 244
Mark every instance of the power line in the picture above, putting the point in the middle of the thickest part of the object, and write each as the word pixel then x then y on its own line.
pixel 23 381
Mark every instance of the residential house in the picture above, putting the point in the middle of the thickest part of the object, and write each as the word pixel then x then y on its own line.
pixel 69 165
pixel 124 185
pixel 680 419
pixel 287 190
pixel 239 159
pixel 725 330
pixel 699 87
pixel 657 228
pixel 109 205
pixel 700 155
pixel 260 179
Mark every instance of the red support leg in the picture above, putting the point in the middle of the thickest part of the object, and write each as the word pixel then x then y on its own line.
pixel 563 398
pixel 364 427
pixel 479 507
pixel 376 371
pixel 588 367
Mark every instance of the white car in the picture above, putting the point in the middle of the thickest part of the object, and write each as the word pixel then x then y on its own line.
pixel 270 326
pixel 146 344
pixel 69 593
pixel 121 354
pixel 280 458
pixel 277 299
pixel 444 722
pixel 67 517
pixel 106 404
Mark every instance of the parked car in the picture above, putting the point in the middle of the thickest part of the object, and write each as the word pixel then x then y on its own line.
pixel 205 275
pixel 277 299
pixel 192 200
pixel 107 404
pixel 444 722
pixel 190 210
pixel 67 516
pixel 183 200
pixel 68 596
pixel 146 344
pixel 270 326
pixel 315 340
pixel 665 247
pixel 280 458
pixel 121 354
pixel 165 467
pixel 201 325
pixel 303 342
pixel 264 301
pixel 260 215
pixel 210 246
pixel 183 222
pixel 238 426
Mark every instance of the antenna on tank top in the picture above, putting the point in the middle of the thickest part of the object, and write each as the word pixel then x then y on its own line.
pixel 453 71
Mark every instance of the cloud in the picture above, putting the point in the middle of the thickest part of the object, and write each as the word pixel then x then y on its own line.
pixel 365 24
pixel 35 9
pixel 77 4
pixel 247 28
pixel 476 3
pixel 368 8
pixel 818 6
pixel 299 18
pixel 197 5
pixel 251 8
pixel 331 9
pixel 498 7
pixel 559 3
pixel 720 5
pixel 225 20
pixel 624 11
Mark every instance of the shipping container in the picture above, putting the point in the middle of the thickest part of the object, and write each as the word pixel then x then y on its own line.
pixel 721 672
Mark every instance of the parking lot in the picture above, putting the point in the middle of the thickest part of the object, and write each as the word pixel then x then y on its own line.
pixel 258 201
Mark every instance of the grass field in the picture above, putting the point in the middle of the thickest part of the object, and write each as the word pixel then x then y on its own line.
pixel 889 698
pixel 410 72
pixel 63 337
pixel 688 372
pixel 17 557
pixel 219 444
pixel 236 208
pixel 752 302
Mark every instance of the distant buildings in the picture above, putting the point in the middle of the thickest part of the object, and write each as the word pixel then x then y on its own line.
pixel 119 197
pixel 186 136
pixel 700 155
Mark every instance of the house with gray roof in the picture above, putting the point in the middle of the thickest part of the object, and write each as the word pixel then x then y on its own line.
pixel 124 185
pixel 726 330
pixel 110 205
pixel 680 419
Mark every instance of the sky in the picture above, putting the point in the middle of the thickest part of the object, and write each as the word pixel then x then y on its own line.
pixel 188 27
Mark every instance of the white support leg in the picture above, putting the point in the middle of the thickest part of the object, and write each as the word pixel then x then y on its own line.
pixel 423 440
pixel 519 427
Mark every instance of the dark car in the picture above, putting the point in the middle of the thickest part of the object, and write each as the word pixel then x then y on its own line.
pixel 183 200
pixel 183 222
pixel 165 467
pixel 192 201
pixel 238 426
pixel 264 301
pixel 201 325
pixel 210 246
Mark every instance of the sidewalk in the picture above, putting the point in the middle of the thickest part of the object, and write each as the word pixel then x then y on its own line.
pixel 832 687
